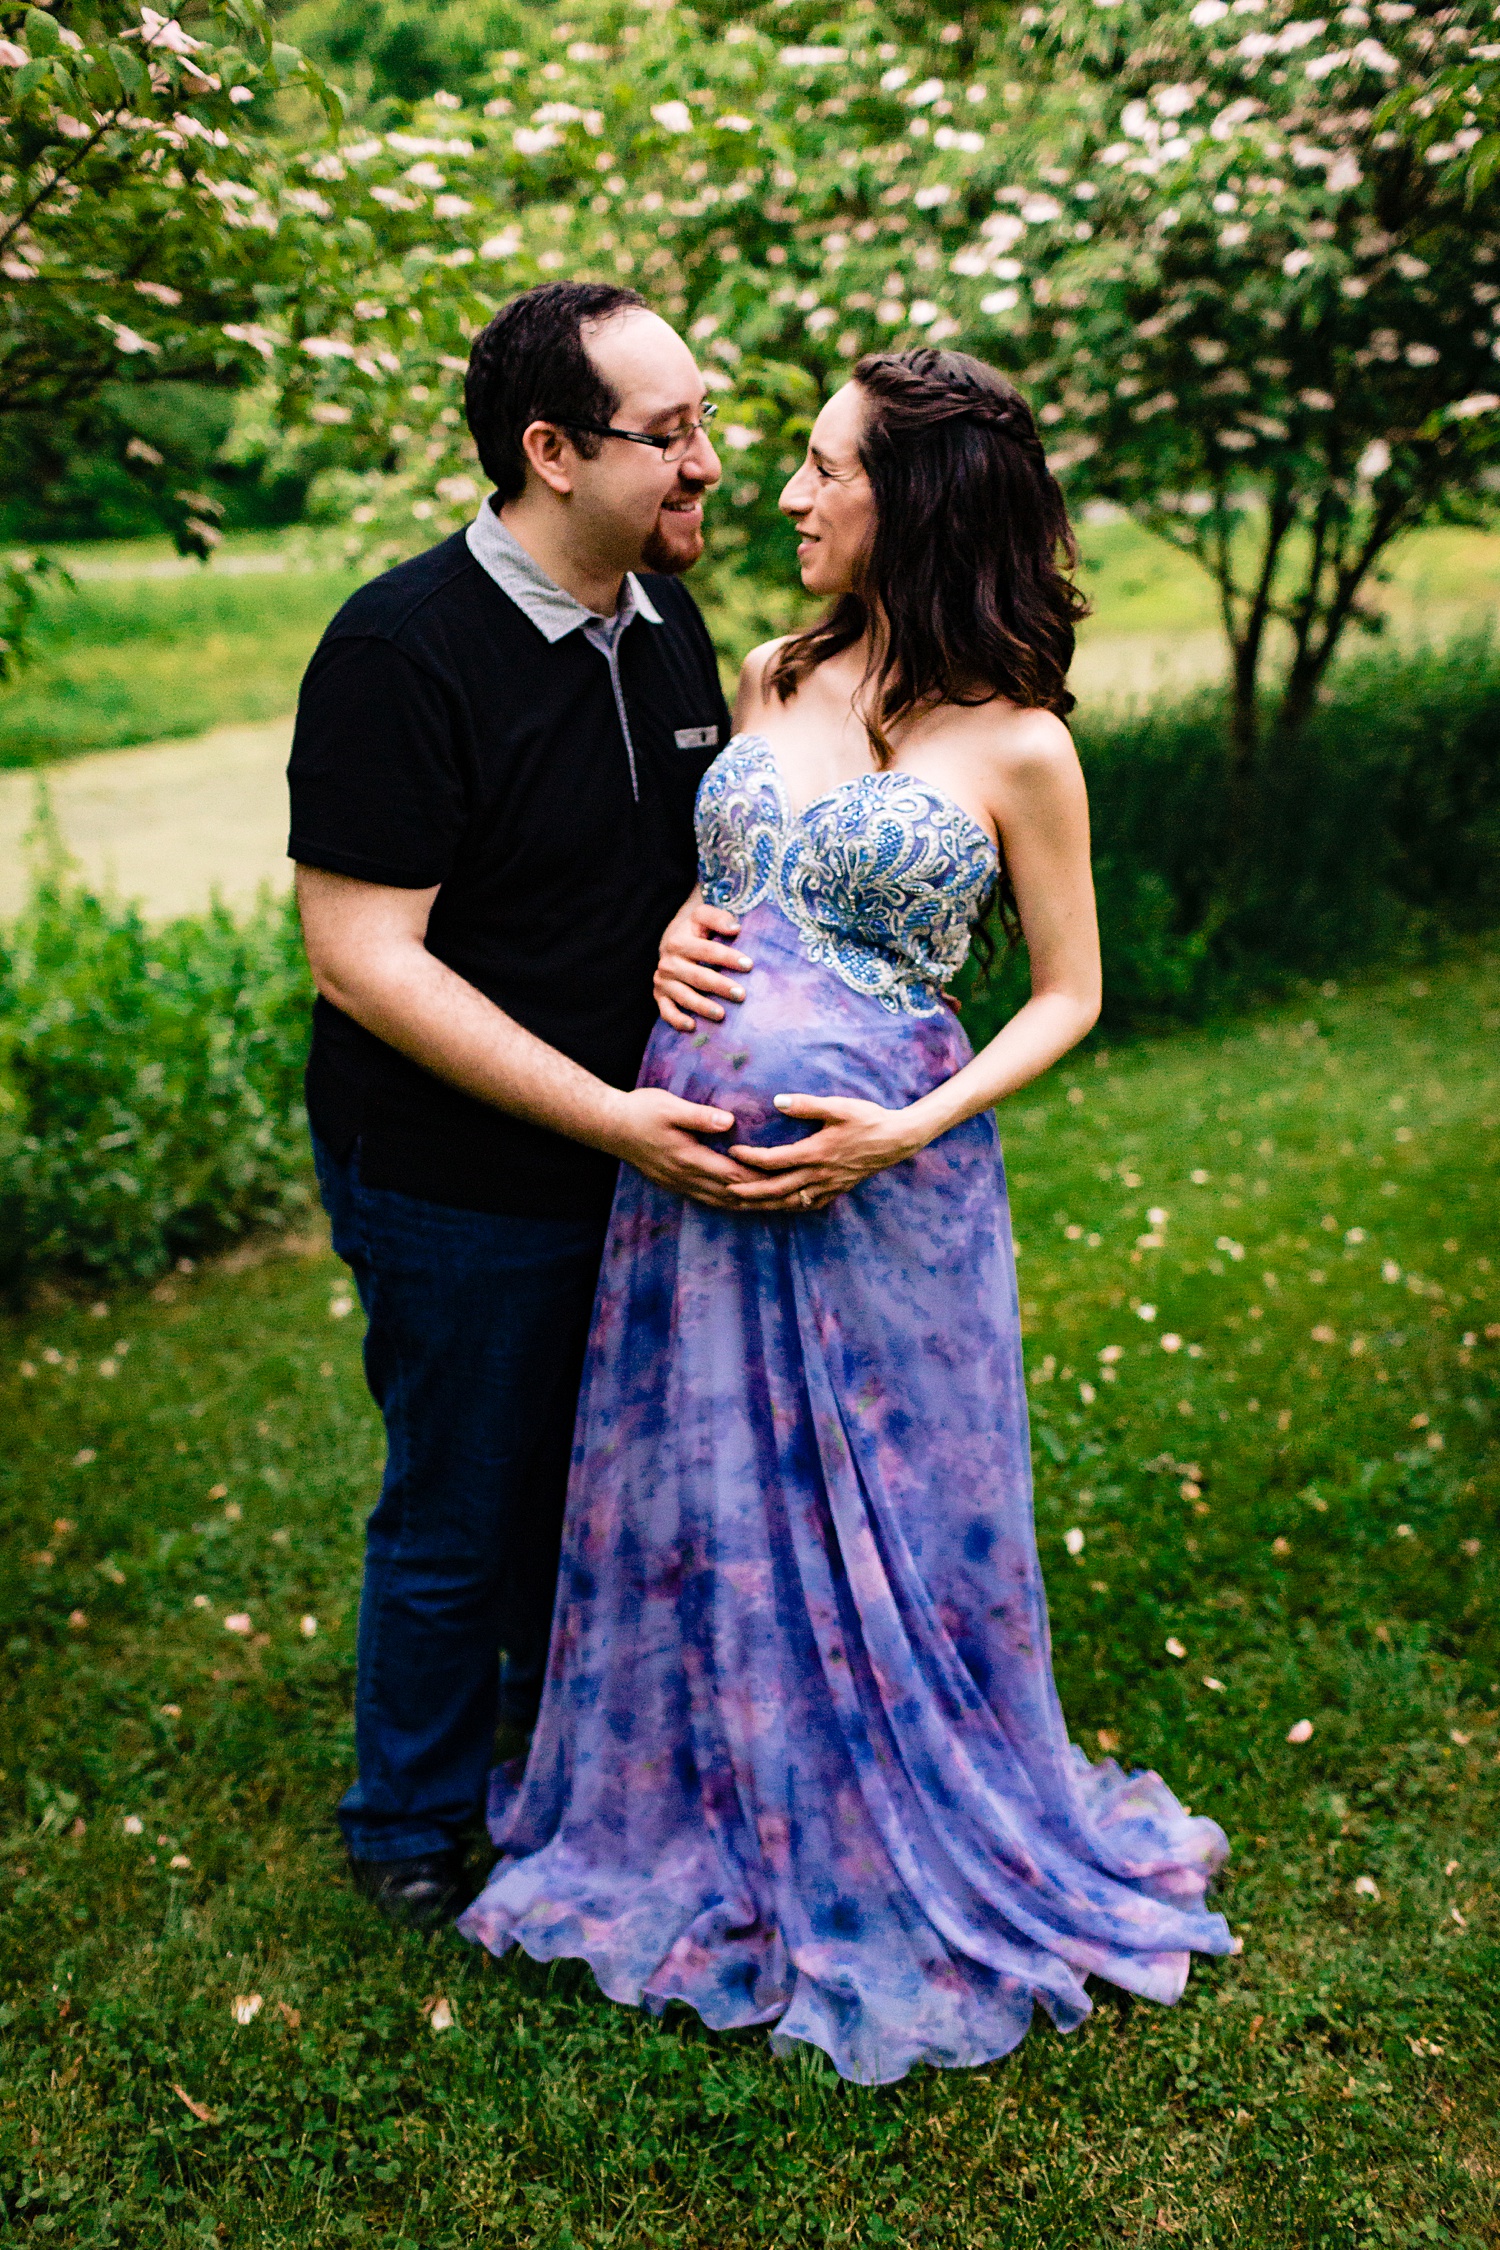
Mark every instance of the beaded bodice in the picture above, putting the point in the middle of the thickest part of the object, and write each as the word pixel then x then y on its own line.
pixel 883 877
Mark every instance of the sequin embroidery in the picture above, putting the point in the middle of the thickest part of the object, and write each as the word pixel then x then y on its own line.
pixel 883 878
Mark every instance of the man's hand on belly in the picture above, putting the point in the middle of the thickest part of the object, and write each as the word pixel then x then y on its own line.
pixel 696 962
pixel 658 1133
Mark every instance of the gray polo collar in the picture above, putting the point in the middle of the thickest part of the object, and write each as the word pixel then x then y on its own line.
pixel 551 609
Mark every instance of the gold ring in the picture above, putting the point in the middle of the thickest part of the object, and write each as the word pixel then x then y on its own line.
pixel 804 1199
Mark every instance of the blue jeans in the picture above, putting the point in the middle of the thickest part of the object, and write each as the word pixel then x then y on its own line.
pixel 474 1348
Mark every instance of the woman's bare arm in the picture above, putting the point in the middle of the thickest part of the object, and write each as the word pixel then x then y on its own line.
pixel 1035 794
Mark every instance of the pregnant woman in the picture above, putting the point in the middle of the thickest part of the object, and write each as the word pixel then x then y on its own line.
pixel 800 1759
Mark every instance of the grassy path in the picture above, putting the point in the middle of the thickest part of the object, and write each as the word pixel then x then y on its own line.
pixel 1300 1494
pixel 169 825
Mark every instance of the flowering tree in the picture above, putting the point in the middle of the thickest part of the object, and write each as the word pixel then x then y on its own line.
pixel 1264 322
pixel 1247 305
pixel 768 191
pixel 161 220
pixel 135 207
pixel 1249 310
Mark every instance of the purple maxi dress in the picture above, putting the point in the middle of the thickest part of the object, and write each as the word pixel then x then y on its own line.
pixel 800 1759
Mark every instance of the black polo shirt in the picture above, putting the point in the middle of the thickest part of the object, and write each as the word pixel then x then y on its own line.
pixel 442 739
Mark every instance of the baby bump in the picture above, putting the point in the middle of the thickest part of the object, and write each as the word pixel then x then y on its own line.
pixel 801 1030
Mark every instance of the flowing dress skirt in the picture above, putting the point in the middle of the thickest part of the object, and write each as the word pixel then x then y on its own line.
pixel 800 1760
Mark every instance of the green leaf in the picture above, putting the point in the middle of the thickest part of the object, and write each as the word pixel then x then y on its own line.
pixel 28 78
pixel 129 69
pixel 286 61
pixel 42 37
pixel 329 97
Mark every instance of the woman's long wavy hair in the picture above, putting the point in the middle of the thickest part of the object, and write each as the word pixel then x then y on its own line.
pixel 966 582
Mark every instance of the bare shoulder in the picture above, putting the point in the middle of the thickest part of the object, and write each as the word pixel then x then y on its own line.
pixel 1027 744
pixel 1019 752
pixel 751 693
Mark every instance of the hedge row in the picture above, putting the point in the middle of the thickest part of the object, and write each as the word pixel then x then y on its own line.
pixel 1379 835
pixel 150 1084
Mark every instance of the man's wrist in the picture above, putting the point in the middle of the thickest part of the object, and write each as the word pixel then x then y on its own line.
pixel 612 1132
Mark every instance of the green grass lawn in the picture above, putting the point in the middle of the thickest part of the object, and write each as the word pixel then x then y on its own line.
pixel 127 659
pixel 124 659
pixel 1138 584
pixel 1299 1495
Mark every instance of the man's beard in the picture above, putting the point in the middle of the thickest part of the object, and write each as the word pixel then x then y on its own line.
pixel 660 555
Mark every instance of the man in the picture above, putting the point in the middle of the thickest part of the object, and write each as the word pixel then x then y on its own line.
pixel 497 750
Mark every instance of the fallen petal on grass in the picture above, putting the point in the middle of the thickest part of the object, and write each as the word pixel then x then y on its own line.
pixel 1301 1732
pixel 246 2006
pixel 1174 1646
pixel 238 1622
pixel 204 2115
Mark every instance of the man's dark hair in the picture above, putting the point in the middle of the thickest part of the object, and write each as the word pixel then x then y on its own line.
pixel 530 365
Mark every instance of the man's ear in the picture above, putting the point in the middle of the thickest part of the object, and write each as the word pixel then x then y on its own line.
pixel 550 455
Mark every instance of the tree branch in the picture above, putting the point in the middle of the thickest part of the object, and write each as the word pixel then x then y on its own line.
pixel 60 176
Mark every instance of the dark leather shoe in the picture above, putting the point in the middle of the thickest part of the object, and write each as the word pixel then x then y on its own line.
pixel 416 1894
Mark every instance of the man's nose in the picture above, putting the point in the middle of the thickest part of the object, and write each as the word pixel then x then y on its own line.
pixel 700 464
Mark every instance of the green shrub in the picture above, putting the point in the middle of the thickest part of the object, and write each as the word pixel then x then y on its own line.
pixel 150 1083
pixel 1380 832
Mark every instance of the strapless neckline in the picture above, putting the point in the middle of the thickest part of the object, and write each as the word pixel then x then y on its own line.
pixel 796 814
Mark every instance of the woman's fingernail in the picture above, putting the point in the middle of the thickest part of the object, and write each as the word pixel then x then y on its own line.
pixel 736 992
pixel 781 1100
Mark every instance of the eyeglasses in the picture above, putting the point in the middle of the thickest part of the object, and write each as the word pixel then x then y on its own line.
pixel 672 447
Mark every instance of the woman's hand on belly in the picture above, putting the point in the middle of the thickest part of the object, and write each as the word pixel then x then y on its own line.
pixel 854 1139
